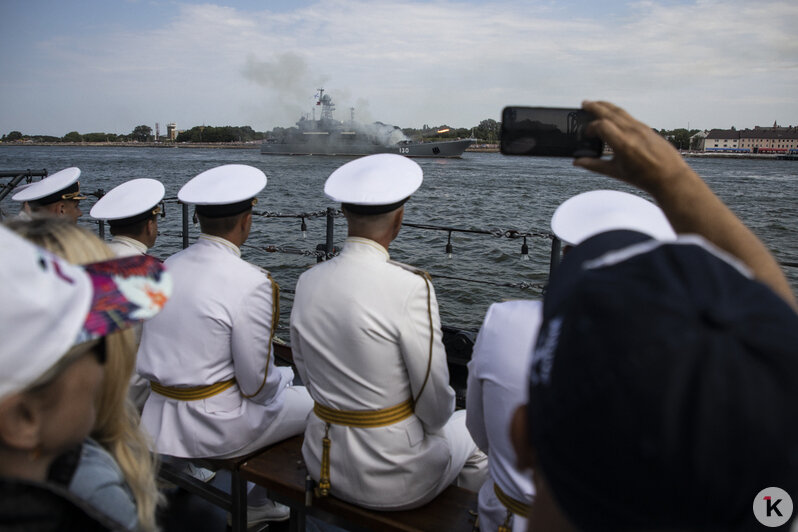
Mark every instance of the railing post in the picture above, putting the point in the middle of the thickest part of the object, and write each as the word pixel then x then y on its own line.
pixel 99 193
pixel 556 246
pixel 185 225
pixel 330 232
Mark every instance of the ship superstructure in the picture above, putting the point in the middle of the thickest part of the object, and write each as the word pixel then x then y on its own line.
pixel 328 136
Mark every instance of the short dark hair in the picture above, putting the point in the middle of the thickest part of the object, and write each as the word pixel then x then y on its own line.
pixel 131 229
pixel 215 226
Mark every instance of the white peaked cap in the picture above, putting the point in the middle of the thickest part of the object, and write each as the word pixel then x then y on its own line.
pixel 49 185
pixel 129 199
pixel 598 211
pixel 50 305
pixel 382 179
pixel 223 185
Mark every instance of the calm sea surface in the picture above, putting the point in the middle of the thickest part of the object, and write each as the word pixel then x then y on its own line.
pixel 483 191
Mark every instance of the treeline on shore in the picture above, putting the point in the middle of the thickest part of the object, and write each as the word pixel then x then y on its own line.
pixel 487 131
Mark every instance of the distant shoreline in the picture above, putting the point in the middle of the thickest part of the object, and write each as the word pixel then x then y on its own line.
pixel 217 145
pixel 256 145
pixel 212 145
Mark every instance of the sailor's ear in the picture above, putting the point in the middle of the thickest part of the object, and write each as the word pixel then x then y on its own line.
pixel 397 221
pixel 244 224
pixel 20 422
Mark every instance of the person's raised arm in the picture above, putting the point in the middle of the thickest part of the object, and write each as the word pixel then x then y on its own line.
pixel 646 160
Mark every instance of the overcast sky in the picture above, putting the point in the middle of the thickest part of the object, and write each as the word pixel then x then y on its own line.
pixel 109 65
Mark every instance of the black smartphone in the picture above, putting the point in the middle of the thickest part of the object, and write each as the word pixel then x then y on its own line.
pixel 548 131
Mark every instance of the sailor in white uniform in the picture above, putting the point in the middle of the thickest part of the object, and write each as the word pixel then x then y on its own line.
pixel 131 210
pixel 497 379
pixel 497 372
pixel 24 213
pixel 56 195
pixel 366 340
pixel 216 391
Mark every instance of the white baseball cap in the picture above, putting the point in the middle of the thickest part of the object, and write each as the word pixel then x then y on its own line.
pixel 597 211
pixel 129 202
pixel 49 305
pixel 224 190
pixel 374 184
pixel 59 186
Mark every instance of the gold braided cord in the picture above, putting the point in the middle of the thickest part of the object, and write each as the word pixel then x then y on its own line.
pixel 192 393
pixel 73 196
pixel 323 489
pixel 275 321
pixel 513 505
pixel 365 418
pixel 427 280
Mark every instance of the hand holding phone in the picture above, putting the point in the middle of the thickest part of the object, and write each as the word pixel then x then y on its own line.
pixel 548 131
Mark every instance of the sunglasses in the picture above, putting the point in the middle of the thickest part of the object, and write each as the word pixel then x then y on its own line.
pixel 96 348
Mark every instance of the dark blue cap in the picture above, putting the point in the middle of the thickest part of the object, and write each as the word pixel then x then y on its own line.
pixel 664 386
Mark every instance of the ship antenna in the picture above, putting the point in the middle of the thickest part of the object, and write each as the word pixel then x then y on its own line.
pixel 327 106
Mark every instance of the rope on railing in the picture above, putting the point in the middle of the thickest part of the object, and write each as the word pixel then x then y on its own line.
pixel 331 213
pixel 522 285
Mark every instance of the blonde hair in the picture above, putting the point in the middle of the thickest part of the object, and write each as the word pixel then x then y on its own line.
pixel 117 427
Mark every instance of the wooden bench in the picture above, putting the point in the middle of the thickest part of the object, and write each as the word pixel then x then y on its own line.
pixel 234 501
pixel 281 470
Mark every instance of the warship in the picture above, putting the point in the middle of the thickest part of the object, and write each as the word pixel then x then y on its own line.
pixel 328 136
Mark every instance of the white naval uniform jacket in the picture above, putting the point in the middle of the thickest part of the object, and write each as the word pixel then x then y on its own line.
pixel 497 386
pixel 360 334
pixel 216 326
pixel 124 246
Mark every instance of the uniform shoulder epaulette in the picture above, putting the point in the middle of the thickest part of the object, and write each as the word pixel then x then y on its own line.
pixel 411 269
pixel 264 271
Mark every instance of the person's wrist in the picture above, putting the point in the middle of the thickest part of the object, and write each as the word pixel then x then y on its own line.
pixel 678 181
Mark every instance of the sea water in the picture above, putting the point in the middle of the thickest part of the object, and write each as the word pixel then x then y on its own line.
pixel 480 191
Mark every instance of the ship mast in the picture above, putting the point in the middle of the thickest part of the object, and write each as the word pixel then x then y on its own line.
pixel 327 106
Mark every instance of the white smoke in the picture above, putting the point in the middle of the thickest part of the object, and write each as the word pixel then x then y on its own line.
pixel 384 134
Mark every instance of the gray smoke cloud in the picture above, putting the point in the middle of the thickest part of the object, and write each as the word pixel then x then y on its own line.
pixel 288 84
pixel 288 95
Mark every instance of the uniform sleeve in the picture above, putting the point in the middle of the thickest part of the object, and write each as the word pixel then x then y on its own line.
pixel 251 345
pixel 435 403
pixel 296 341
pixel 475 414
